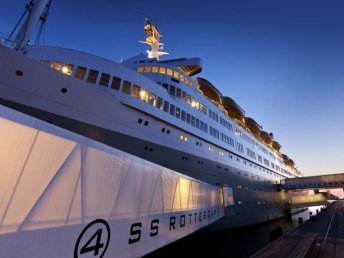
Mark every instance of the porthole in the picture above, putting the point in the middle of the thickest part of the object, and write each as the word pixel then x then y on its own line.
pixel 64 90
pixel 168 131
pixel 146 123
pixel 139 121
pixel 19 73
pixel 163 130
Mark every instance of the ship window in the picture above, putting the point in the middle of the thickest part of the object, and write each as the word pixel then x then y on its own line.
pixel 188 99
pixel 155 69
pixel 186 80
pixel 169 72
pixel 197 123
pixel 193 120
pixel 172 90
pixel 56 66
pixel 147 69
pixel 184 95
pixel 67 69
pixel 104 79
pixel 126 87
pixel 206 127
pixel 182 78
pixel 179 93
pixel 116 83
pixel 172 109
pixel 176 74
pixel 165 85
pixel 136 91
pixel 92 76
pixel 152 99
pixel 191 84
pixel 80 72
pixel 183 115
pixel 139 69
pixel 162 70
pixel 166 105
pixel 159 103
pixel 188 118
pixel 178 112
pixel 144 95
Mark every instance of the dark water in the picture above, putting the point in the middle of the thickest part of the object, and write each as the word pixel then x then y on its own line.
pixel 240 243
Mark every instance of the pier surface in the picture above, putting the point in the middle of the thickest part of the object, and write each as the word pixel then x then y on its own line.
pixel 321 236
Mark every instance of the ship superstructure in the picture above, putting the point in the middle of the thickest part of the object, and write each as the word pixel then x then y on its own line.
pixel 157 110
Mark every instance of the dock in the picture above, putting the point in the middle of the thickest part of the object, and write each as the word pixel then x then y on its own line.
pixel 320 236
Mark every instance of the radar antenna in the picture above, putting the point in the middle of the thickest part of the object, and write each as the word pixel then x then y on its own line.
pixel 153 39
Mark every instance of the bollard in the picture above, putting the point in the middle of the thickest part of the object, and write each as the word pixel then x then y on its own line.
pixel 300 220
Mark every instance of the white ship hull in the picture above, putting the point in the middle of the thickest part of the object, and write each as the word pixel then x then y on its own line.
pixel 113 120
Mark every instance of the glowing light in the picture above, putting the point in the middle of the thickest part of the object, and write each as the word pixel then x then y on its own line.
pixel 143 95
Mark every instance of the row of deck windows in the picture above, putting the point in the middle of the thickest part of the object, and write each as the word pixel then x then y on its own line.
pixel 115 83
pixel 175 91
pixel 164 70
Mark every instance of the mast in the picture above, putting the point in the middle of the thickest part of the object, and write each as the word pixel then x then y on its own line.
pixel 153 39
pixel 36 8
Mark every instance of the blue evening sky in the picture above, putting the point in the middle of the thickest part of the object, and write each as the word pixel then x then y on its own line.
pixel 281 60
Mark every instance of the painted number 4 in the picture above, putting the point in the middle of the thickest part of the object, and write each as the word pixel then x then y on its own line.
pixel 94 247
pixel 93 240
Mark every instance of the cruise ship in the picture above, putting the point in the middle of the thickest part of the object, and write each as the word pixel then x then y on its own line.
pixel 159 109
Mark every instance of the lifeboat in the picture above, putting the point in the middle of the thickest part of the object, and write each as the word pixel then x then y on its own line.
pixel 285 158
pixel 252 125
pixel 209 90
pixel 291 163
pixel 276 145
pixel 265 137
pixel 233 109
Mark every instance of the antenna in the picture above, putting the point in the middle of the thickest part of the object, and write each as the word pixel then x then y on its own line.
pixel 153 39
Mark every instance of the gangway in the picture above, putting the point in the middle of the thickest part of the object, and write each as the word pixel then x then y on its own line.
pixel 64 195
pixel 314 182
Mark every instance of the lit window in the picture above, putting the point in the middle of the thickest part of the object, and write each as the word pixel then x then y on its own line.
pixel 67 69
pixel 176 74
pixel 220 153
pixel 139 69
pixel 144 95
pixel 80 72
pixel 152 99
pixel 92 76
pixel 182 78
pixel 56 66
pixel 147 69
pixel 162 70
pixel 169 72
pixel 159 103
pixel 155 69
pixel 193 102
pixel 184 138
pixel 186 80
pixel 136 91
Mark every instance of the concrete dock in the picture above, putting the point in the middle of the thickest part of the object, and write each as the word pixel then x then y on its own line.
pixel 320 236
